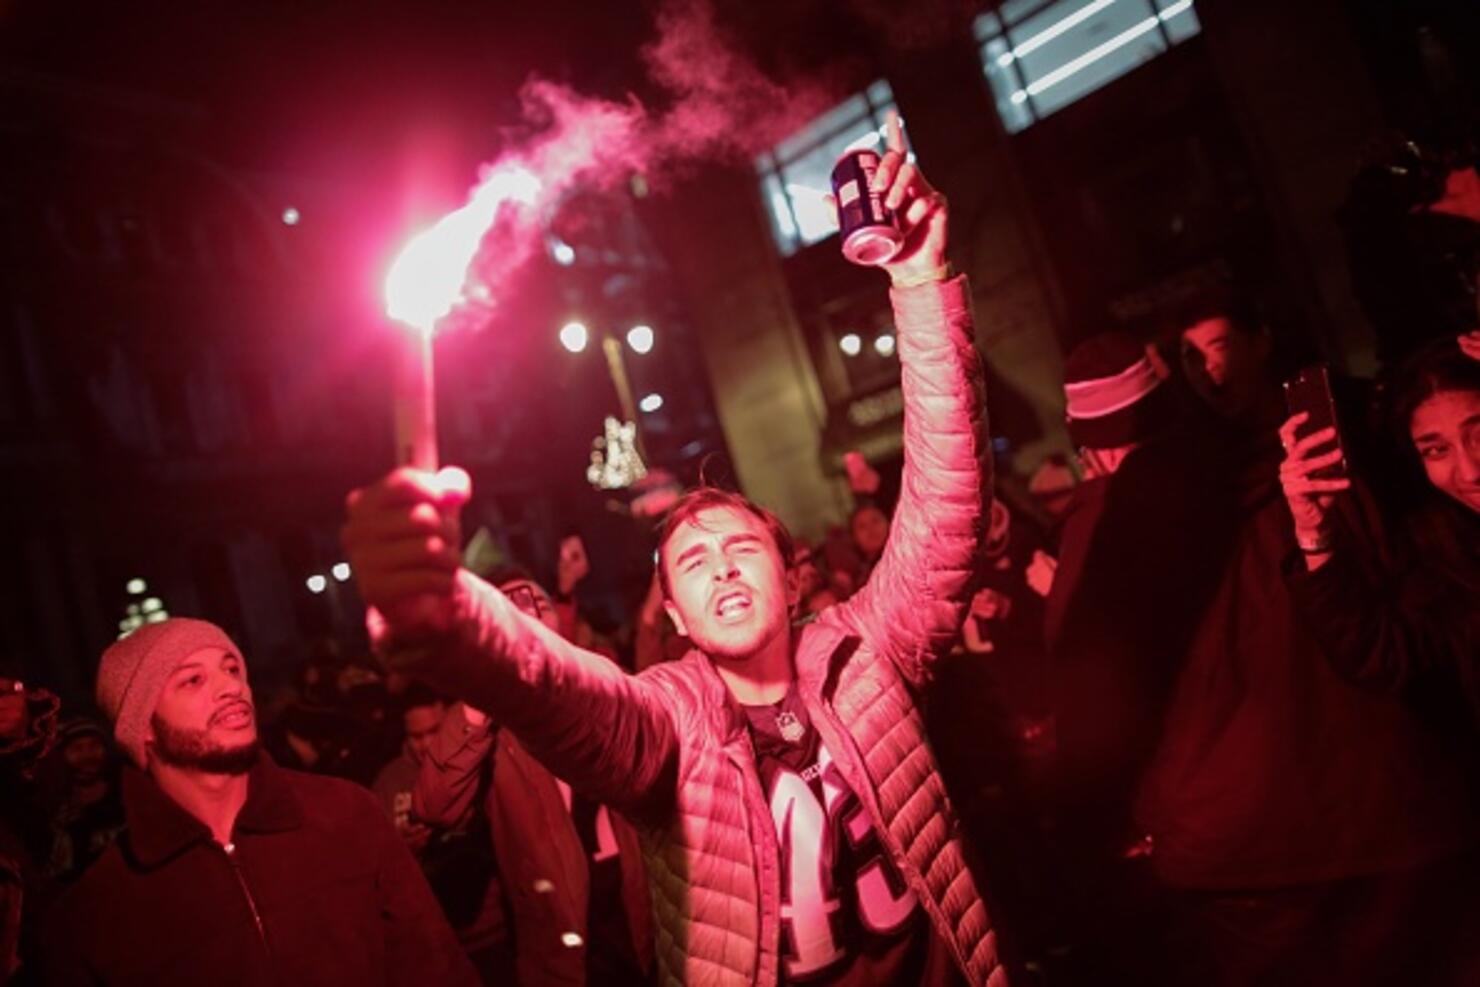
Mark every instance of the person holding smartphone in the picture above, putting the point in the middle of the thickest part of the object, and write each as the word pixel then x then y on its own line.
pixel 1399 614
pixel 1300 827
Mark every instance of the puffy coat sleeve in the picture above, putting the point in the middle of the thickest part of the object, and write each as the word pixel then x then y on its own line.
pixel 912 606
pixel 608 734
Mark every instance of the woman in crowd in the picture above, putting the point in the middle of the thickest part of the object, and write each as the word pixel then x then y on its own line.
pixel 1400 612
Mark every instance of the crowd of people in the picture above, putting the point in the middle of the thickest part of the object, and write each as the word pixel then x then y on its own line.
pixel 1199 707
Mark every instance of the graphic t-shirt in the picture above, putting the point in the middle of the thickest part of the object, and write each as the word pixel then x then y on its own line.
pixel 847 917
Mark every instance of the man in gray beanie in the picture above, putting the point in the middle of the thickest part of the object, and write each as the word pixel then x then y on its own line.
pixel 233 870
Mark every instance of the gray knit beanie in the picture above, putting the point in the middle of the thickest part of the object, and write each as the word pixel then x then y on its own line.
pixel 134 670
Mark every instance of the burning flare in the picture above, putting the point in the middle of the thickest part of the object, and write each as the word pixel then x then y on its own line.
pixel 429 277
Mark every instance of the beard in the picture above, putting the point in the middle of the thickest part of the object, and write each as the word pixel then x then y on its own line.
pixel 193 750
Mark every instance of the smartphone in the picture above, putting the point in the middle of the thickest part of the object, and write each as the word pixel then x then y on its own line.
pixel 1310 391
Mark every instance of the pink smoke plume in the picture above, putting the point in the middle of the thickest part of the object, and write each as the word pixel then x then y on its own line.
pixel 723 105
pixel 717 105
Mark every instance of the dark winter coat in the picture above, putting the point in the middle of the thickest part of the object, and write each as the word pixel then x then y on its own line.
pixel 1272 771
pixel 1400 612
pixel 315 889
pixel 543 867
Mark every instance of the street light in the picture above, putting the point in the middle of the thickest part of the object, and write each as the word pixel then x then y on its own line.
pixel 640 338
pixel 574 336
pixel 562 253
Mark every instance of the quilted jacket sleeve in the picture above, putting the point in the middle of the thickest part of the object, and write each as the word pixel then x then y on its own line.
pixel 608 734
pixel 912 607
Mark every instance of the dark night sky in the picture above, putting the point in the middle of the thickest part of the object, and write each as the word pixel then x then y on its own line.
pixel 315 87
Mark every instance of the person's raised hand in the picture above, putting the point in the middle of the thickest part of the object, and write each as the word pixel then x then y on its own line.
pixel 1310 498
pixel 403 539
pixel 920 210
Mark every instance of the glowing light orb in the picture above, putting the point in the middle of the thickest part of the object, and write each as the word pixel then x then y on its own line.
pixel 640 338
pixel 651 403
pixel 884 345
pixel 851 344
pixel 317 583
pixel 340 571
pixel 427 279
pixel 574 336
pixel 291 216
pixel 564 253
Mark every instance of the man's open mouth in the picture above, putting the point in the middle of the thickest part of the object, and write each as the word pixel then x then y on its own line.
pixel 235 716
pixel 731 605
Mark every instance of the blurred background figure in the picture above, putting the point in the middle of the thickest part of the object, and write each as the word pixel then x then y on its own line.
pixel 28 726
pixel 422 712
pixel 87 805
pixel 1141 546
pixel 571 872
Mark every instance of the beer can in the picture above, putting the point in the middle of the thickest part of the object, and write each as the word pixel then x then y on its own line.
pixel 867 228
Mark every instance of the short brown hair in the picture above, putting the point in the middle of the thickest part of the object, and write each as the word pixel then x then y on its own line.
pixel 705 498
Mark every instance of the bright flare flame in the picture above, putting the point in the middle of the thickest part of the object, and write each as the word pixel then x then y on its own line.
pixel 428 277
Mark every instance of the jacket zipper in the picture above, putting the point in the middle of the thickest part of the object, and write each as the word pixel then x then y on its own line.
pixel 241 880
pixel 747 770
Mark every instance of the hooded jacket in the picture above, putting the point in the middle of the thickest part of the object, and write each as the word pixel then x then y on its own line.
pixel 315 889
pixel 670 748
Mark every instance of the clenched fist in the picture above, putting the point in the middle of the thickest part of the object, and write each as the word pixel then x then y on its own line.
pixel 404 542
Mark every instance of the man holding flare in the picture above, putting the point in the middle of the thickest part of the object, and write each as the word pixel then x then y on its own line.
pixel 794 821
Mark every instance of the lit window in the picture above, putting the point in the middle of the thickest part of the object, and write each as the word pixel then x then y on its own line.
pixel 1041 56
pixel 796 175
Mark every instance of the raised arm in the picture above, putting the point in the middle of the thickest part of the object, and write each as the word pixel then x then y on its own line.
pixel 913 604
pixel 606 733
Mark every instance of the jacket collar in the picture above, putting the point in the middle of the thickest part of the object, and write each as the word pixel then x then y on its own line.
pixel 819 646
pixel 158 828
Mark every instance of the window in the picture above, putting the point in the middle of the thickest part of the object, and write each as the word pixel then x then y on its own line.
pixel 796 174
pixel 1041 56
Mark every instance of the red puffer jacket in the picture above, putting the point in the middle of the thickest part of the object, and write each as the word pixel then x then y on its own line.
pixel 669 747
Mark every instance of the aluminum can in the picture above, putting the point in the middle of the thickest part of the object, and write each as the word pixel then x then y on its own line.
pixel 868 230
